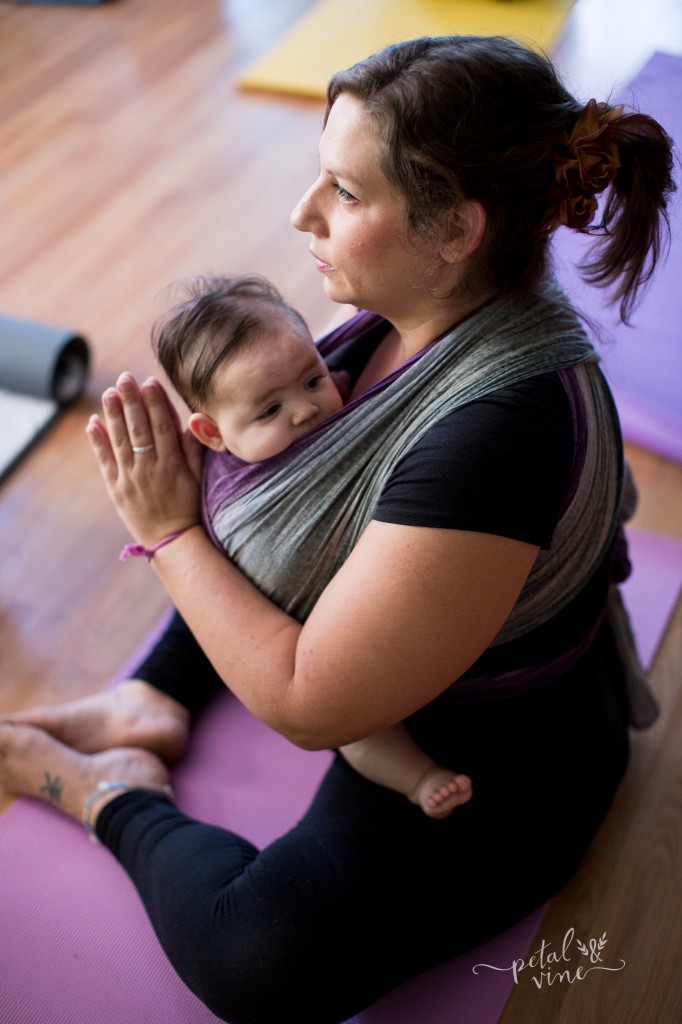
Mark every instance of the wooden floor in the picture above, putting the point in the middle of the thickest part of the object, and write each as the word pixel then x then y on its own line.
pixel 129 159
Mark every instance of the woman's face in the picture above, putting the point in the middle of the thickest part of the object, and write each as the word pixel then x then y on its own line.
pixel 356 217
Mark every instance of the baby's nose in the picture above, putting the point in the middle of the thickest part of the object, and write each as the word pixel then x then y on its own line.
pixel 304 412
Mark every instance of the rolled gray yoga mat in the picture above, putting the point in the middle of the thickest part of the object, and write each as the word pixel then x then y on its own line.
pixel 42 370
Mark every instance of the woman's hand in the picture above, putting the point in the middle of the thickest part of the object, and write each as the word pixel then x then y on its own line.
pixel 151 469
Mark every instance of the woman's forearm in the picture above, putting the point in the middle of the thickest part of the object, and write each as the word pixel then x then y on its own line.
pixel 388 634
pixel 251 643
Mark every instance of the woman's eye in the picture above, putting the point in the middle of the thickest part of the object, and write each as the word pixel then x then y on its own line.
pixel 343 194
pixel 270 412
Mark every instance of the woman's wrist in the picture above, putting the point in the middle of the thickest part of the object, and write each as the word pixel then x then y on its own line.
pixel 139 550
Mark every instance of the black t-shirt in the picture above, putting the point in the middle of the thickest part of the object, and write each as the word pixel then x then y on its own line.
pixel 499 465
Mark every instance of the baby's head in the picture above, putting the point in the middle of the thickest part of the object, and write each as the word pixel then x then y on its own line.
pixel 245 364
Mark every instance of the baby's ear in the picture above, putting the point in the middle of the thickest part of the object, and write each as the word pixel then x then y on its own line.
pixel 206 430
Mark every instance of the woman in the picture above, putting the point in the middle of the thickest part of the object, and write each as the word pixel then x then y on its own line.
pixel 468 599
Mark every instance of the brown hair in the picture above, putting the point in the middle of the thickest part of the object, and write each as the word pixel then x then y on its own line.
pixel 480 118
pixel 219 317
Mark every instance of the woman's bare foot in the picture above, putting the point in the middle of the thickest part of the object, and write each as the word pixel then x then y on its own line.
pixel 132 714
pixel 33 763
pixel 440 791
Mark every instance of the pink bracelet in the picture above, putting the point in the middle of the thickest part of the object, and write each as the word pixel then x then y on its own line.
pixel 137 550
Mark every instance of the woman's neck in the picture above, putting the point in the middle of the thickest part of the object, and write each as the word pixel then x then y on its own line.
pixel 419 331
pixel 405 339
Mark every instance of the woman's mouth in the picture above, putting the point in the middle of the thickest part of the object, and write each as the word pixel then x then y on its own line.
pixel 323 267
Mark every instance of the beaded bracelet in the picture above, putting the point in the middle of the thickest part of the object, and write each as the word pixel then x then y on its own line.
pixel 103 788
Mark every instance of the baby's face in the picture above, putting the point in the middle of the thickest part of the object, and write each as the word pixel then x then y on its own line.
pixel 276 391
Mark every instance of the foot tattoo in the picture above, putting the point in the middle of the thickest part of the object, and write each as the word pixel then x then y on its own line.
pixel 52 788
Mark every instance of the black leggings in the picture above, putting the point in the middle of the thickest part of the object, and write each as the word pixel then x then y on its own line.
pixel 366 891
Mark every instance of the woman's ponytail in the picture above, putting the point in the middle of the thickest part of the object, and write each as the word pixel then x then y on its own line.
pixel 632 156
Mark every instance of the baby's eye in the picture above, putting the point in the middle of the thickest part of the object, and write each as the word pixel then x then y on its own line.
pixel 343 194
pixel 314 382
pixel 270 412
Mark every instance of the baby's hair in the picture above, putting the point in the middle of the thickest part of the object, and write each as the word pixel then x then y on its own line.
pixel 219 317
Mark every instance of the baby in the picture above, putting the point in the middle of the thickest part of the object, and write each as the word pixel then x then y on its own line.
pixel 245 364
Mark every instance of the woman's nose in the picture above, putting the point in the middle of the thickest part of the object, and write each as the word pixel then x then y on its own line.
pixel 305 215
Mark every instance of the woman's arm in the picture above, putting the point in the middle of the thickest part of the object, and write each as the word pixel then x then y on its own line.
pixel 408 613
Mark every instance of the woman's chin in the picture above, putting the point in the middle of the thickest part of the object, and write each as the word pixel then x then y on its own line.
pixel 336 291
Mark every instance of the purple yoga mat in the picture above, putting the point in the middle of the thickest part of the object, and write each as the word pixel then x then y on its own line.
pixel 76 946
pixel 643 362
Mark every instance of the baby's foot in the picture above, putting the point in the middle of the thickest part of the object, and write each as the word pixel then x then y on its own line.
pixel 33 763
pixel 440 791
pixel 132 714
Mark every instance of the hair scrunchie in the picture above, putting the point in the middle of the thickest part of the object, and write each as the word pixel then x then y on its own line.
pixel 585 164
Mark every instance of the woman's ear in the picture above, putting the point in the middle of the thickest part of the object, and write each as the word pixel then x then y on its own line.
pixel 206 430
pixel 464 230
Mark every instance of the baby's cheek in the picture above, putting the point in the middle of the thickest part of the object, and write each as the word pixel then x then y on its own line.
pixel 338 390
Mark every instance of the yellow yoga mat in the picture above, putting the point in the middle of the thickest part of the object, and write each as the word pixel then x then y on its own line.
pixel 336 33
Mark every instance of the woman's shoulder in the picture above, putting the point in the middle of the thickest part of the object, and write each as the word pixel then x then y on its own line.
pixel 501 464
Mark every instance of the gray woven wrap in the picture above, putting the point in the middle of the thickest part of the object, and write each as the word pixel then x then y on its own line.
pixel 295 524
